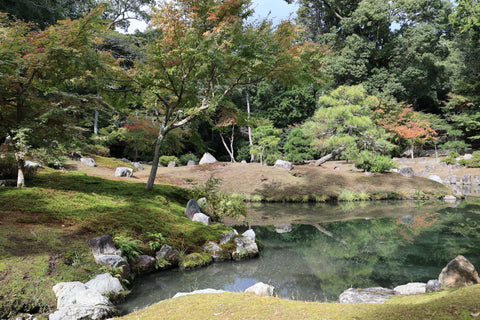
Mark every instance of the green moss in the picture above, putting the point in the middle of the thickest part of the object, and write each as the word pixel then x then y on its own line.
pixel 195 260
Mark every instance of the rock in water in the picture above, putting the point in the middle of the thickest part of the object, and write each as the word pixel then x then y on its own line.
pixel 207 158
pixel 192 208
pixel 168 254
pixel 261 289
pixel 368 295
pixel 458 273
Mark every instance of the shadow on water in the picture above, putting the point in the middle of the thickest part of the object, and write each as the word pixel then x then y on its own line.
pixel 316 252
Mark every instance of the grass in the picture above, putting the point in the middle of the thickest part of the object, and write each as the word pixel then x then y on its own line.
pixel 463 303
pixel 45 228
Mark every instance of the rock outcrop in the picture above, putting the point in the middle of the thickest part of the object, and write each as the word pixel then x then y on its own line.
pixel 207 158
pixel 458 273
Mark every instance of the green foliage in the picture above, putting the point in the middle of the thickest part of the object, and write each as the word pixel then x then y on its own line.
pixel 374 163
pixel 195 260
pixel 471 163
pixel 129 247
pixel 165 160
pixel 298 146
pixel 184 158
pixel 346 195
pixel 266 140
pixel 451 158
pixel 156 240
pixel 9 169
pixel 96 150
pixel 53 156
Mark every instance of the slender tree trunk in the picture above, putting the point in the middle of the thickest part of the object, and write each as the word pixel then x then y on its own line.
pixel 95 123
pixel 330 155
pixel 21 166
pixel 230 149
pixel 156 157
pixel 250 139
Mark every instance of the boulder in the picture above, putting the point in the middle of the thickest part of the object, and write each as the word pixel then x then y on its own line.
pixel 243 161
pixel 76 301
pixel 466 179
pixel 123 172
pixel 410 288
pixel 203 291
pixel 143 264
pixel 432 286
pixel 106 284
pixel 217 253
pixel 207 158
pixel 103 245
pixel 245 248
pixel 114 261
pixel 407 172
pixel 449 198
pixel 168 254
pixel 226 237
pixel 451 179
pixel 88 162
pixel 31 164
pixel 192 208
pixel 458 273
pixel 138 165
pixel 435 178
pixel 476 179
pixel 171 164
pixel 468 156
pixel 191 163
pixel 368 295
pixel 249 234
pixel 202 218
pixel 284 228
pixel 284 165
pixel 261 289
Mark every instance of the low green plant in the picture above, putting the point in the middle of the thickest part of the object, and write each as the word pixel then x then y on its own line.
pixel 165 160
pixel 156 240
pixel 96 150
pixel 129 247
pixel 374 163
pixel 188 157
pixel 451 158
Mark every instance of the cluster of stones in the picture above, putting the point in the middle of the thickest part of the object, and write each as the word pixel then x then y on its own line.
pixel 457 273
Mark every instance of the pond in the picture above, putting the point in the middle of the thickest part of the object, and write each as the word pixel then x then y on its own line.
pixel 315 252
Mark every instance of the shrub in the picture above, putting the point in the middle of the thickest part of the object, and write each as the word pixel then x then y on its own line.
pixel 374 163
pixel 96 150
pixel 187 157
pixel 298 147
pixel 130 248
pixel 165 160
pixel 51 157
pixel 451 158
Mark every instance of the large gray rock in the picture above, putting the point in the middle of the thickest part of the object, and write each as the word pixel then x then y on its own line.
pixel 202 218
pixel 261 289
pixel 282 164
pixel 114 261
pixel 458 273
pixel 31 164
pixel 226 237
pixel 435 178
pixel 103 245
pixel 88 162
pixel 407 172
pixel 217 253
pixel 138 165
pixel 249 234
pixel 143 264
pixel 202 291
pixel 191 163
pixel 410 288
pixel 76 301
pixel 207 158
pixel 476 179
pixel 171 164
pixel 245 248
pixel 123 172
pixel 368 295
pixel 433 286
pixel 168 254
pixel 105 284
pixel 451 179
pixel 466 179
pixel 192 208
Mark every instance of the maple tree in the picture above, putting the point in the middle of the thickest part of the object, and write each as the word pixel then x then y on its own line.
pixel 406 125
pixel 39 77
pixel 205 49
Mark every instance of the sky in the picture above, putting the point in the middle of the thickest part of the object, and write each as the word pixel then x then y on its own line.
pixel 274 9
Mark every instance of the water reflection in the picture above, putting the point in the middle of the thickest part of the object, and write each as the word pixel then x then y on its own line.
pixel 316 252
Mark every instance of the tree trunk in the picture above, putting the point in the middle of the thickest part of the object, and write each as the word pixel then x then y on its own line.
pixel 21 166
pixel 250 139
pixel 95 123
pixel 156 157
pixel 330 155
pixel 229 149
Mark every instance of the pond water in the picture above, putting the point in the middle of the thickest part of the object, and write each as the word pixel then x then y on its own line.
pixel 316 252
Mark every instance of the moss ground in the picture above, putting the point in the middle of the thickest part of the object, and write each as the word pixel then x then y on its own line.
pixel 461 303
